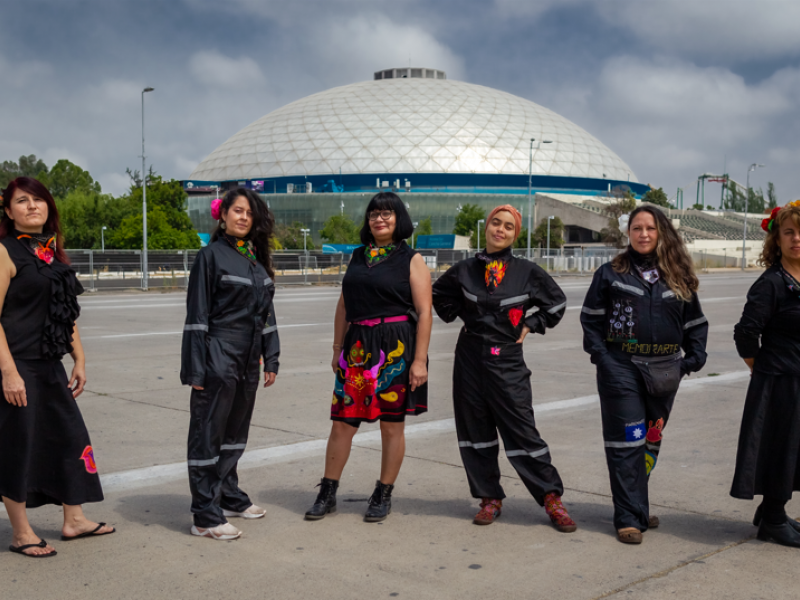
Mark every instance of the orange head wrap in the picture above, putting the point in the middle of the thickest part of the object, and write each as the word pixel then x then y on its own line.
pixel 514 213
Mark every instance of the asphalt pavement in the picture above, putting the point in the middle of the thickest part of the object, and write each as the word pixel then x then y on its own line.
pixel 137 414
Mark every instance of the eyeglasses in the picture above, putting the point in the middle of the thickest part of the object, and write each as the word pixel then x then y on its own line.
pixel 383 214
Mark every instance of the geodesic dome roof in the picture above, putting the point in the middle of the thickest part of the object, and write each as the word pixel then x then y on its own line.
pixel 410 125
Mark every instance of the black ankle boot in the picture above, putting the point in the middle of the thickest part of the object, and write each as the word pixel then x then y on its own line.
pixel 757 520
pixel 783 534
pixel 326 500
pixel 380 503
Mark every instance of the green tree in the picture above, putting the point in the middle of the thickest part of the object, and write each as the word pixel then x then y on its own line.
pixel 339 229
pixel 522 239
pixel 467 221
pixel 539 237
pixel 291 236
pixel 772 196
pixel 657 197
pixel 424 227
pixel 735 199
pixel 611 235
pixel 27 166
pixel 66 177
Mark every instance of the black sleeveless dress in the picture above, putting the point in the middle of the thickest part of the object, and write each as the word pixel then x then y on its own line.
pixel 46 456
pixel 372 378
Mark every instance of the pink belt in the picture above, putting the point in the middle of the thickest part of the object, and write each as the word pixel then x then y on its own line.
pixel 374 322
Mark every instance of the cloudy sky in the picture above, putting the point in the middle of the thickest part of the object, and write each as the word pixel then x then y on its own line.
pixel 675 87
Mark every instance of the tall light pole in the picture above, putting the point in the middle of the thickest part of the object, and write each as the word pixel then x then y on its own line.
pixel 750 169
pixel 478 228
pixel 550 218
pixel 305 251
pixel 530 197
pixel 144 201
pixel 103 238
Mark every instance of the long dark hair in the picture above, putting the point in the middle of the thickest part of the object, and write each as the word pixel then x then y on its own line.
pixel 771 254
pixel 674 262
pixel 403 227
pixel 263 224
pixel 53 223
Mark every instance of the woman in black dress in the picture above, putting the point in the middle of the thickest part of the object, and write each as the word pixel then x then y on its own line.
pixel 641 310
pixel 382 329
pixel 768 459
pixel 230 326
pixel 493 293
pixel 46 456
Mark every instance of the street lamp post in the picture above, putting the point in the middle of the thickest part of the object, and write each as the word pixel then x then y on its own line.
pixel 550 218
pixel 103 238
pixel 478 227
pixel 144 201
pixel 750 169
pixel 530 197
pixel 305 251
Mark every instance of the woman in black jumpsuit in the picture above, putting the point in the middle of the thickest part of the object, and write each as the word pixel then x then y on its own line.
pixel 381 332
pixel 492 293
pixel 768 459
pixel 639 313
pixel 46 456
pixel 230 326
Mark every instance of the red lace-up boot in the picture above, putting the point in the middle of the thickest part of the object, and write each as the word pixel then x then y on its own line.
pixel 558 514
pixel 490 510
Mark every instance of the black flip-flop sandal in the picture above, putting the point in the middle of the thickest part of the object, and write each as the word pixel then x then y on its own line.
pixel 85 534
pixel 41 544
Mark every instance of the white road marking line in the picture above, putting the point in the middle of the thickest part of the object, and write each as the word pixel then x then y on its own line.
pixel 147 476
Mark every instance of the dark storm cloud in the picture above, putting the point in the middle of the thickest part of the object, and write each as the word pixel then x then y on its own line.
pixel 672 86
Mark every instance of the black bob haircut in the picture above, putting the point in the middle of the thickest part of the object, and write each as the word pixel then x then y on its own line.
pixel 388 201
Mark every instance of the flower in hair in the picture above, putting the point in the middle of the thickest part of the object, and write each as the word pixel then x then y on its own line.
pixel 216 206
pixel 766 224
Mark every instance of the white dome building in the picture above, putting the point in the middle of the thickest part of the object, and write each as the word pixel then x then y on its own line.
pixel 410 124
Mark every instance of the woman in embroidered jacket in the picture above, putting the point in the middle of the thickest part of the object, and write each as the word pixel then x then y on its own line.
pixel 492 293
pixel 380 350
pixel 45 453
pixel 768 460
pixel 640 311
pixel 230 325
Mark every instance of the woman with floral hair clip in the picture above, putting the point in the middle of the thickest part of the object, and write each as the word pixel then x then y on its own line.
pixel 230 326
pixel 492 293
pixel 768 339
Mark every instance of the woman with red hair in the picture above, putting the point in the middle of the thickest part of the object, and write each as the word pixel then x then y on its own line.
pixel 492 293
pixel 46 456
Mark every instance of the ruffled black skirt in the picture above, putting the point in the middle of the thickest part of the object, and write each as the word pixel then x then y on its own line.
pixel 46 456
pixel 768 458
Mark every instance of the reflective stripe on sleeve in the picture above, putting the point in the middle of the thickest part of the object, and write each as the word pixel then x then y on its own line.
pixel 195 327
pixel 653 447
pixel 625 444
pixel 593 311
pixel 514 300
pixel 203 463
pixel 269 329
pixel 668 294
pixel 628 288
pixel 555 309
pixel 534 454
pixel 236 279
pixel 268 280
pixel 469 296
pixel 699 321
pixel 478 445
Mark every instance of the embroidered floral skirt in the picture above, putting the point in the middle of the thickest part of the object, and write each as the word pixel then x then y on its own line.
pixel 372 377
pixel 45 453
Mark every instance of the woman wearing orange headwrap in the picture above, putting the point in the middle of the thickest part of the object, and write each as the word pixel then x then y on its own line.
pixel 492 294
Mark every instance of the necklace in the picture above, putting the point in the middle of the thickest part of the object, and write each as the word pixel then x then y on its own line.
pixel 375 254
pixel 43 245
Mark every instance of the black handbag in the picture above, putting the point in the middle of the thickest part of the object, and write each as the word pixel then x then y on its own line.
pixel 662 374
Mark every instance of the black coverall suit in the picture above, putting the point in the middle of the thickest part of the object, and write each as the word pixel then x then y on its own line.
pixel 628 322
pixel 491 383
pixel 230 325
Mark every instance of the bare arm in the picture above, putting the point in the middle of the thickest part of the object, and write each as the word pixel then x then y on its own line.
pixel 340 326
pixel 421 295
pixel 13 386
pixel 78 379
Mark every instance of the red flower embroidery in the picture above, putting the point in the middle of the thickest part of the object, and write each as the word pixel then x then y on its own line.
pixel 515 316
pixel 46 254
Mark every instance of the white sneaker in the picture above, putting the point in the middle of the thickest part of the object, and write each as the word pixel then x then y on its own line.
pixel 223 532
pixel 253 512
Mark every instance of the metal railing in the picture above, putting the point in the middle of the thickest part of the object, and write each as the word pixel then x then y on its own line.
pixel 169 269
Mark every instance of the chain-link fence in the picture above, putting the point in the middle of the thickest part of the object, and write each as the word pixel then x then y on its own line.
pixel 169 269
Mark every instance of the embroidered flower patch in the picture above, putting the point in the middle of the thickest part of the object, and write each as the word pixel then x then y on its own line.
pixel 515 316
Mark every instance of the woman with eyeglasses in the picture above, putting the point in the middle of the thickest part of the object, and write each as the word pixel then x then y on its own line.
pixel 381 333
